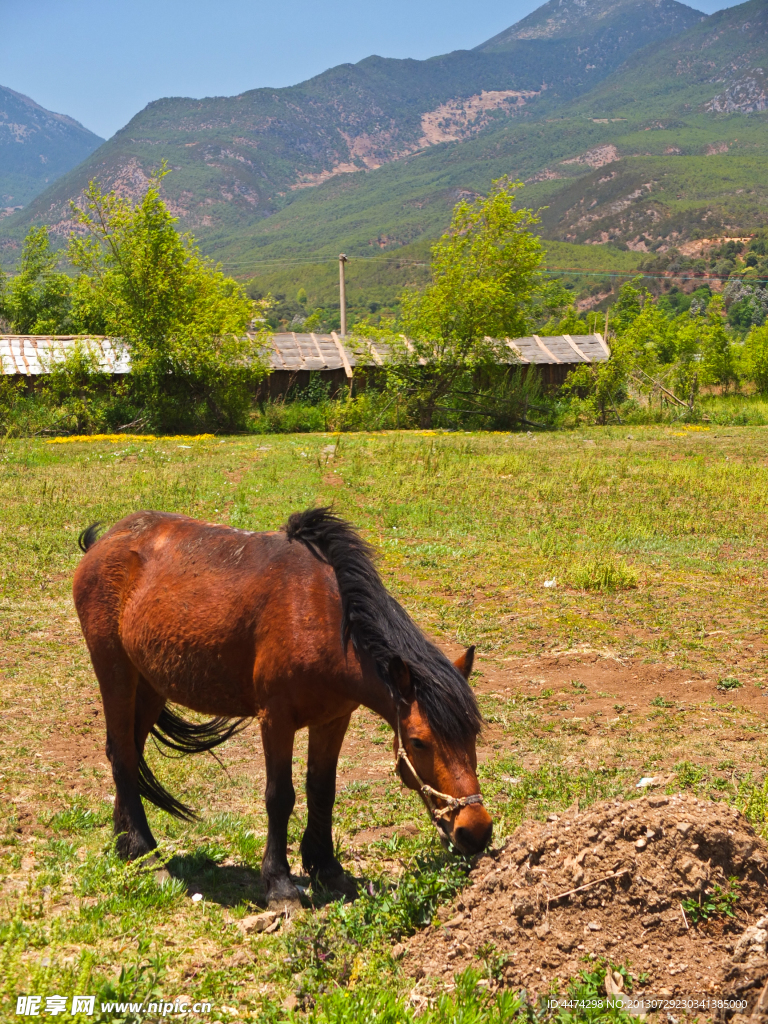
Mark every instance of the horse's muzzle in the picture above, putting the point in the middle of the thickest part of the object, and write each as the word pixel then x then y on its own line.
pixel 472 830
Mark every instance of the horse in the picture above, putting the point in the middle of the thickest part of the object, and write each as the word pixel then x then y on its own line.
pixel 292 627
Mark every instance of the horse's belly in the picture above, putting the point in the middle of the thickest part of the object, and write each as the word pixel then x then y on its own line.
pixel 194 652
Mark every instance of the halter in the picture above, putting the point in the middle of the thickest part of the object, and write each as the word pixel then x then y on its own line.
pixel 429 794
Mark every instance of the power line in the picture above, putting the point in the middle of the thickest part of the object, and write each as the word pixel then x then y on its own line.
pixel 662 276
pixel 318 260
pixel 277 262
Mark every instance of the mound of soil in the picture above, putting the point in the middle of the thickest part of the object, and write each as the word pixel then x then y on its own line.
pixel 610 882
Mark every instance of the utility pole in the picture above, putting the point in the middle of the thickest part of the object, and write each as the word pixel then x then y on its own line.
pixel 342 295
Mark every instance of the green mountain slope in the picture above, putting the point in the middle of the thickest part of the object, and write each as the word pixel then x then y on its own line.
pixel 695 162
pixel 657 153
pixel 375 284
pixel 716 65
pixel 36 147
pixel 240 161
pixel 584 173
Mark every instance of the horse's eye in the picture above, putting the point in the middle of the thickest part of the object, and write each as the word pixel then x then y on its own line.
pixel 417 744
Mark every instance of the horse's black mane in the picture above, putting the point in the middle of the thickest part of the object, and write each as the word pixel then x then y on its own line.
pixel 375 623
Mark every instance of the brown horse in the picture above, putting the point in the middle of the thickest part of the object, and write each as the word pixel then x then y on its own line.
pixel 294 628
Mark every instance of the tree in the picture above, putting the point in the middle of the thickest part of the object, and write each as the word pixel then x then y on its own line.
pixel 716 351
pixel 38 299
pixel 183 321
pixel 755 358
pixel 673 356
pixel 602 386
pixel 484 278
pixel 639 328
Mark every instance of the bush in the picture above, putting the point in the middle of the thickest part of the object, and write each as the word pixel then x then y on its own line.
pixel 368 410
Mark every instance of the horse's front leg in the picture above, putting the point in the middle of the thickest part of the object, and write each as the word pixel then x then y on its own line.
pixel 317 844
pixel 277 734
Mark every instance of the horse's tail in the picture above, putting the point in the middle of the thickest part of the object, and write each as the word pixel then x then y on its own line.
pixel 177 733
pixel 89 536
pixel 376 624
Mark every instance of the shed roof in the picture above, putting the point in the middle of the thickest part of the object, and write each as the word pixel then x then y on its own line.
pixel 34 354
pixel 292 351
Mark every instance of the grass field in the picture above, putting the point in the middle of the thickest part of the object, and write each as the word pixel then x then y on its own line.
pixel 655 538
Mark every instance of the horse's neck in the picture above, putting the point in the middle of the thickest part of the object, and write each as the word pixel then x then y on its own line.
pixel 375 694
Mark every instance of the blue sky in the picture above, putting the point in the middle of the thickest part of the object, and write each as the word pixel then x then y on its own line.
pixel 101 61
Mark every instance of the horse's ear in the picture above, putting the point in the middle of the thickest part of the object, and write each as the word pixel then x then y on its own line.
pixel 400 675
pixel 465 662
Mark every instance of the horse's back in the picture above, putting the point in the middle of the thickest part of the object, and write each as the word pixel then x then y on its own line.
pixel 114 564
pixel 209 614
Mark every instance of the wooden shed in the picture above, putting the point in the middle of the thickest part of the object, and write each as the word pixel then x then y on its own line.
pixel 556 355
pixel 293 356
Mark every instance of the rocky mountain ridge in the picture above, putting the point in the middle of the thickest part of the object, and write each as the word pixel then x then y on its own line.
pixel 37 146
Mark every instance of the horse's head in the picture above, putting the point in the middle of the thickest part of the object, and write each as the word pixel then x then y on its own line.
pixel 445 774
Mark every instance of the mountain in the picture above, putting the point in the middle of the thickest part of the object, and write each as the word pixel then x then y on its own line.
pixel 240 161
pixel 605 32
pixel 670 147
pixel 36 147
pixel 698 166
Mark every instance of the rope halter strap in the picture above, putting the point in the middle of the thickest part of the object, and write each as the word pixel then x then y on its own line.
pixel 452 803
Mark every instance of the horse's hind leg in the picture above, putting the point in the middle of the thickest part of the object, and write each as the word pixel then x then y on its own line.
pixel 277 737
pixel 317 845
pixel 126 721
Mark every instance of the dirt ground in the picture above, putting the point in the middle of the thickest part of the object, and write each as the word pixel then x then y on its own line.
pixel 610 882
pixel 586 709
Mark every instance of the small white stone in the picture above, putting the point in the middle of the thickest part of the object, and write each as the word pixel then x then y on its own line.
pixel 197 897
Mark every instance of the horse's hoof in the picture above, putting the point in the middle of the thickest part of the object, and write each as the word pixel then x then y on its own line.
pixel 287 908
pixel 340 884
pixel 284 899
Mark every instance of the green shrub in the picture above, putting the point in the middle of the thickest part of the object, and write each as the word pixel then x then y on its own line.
pixel 718 903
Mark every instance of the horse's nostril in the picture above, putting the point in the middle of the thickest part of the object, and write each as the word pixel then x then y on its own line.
pixel 472 841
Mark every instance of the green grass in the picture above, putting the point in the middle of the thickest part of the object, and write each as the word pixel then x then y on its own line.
pixel 602 572
pixel 679 504
pixel 469 526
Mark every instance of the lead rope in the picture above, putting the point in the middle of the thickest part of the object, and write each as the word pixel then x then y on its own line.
pixel 452 802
